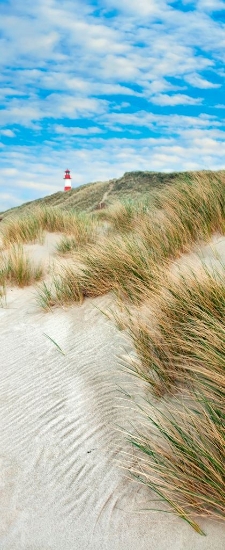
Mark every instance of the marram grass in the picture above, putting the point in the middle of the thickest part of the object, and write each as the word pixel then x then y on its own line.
pixel 16 268
pixel 183 336
pixel 180 355
pixel 64 289
pixel 30 227
pixel 191 211
pixel 179 339
pixel 180 457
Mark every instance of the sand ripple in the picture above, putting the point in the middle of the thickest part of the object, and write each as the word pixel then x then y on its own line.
pixel 61 487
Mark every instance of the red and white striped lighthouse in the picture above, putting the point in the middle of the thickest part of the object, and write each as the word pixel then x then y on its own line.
pixel 67 180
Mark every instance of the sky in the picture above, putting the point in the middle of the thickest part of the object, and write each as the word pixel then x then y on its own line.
pixel 103 87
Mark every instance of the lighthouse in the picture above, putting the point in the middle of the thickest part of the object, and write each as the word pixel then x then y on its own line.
pixel 67 180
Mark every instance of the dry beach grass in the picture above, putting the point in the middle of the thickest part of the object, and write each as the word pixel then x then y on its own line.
pixel 16 268
pixel 174 321
pixel 79 227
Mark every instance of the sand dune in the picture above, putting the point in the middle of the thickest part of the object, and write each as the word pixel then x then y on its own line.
pixel 61 487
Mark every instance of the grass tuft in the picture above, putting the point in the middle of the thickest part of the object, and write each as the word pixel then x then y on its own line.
pixel 17 269
pixel 180 456
pixel 29 228
pixel 185 337
pixel 63 290
pixel 21 230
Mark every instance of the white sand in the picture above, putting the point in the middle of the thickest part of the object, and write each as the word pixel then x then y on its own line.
pixel 60 484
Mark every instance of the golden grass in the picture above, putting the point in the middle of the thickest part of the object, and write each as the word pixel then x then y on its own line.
pixel 17 269
pixel 186 213
pixel 180 457
pixel 122 264
pixel 30 227
pixel 123 215
pixel 179 338
pixel 81 230
pixel 21 230
pixel 176 325
pixel 183 335
pixel 64 289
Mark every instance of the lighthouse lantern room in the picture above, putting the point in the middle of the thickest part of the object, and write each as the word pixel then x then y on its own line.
pixel 67 180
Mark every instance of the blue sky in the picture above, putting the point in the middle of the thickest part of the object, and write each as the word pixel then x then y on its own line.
pixel 108 86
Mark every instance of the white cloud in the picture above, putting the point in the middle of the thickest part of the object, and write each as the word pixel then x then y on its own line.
pixel 26 112
pixel 72 50
pixel 178 99
pixel 211 5
pixel 167 123
pixel 7 132
pixel 76 131
pixel 186 143
pixel 68 68
pixel 141 8
pixel 198 82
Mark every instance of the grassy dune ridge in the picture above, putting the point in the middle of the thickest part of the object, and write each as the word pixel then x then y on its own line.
pixel 131 262
pixel 174 320
pixel 87 197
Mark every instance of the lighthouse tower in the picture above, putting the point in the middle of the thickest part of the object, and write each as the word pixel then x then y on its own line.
pixel 67 180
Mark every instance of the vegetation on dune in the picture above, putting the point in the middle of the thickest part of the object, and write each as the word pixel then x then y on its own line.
pixel 132 185
pixel 63 290
pixel 123 215
pixel 186 212
pixel 125 265
pixel 180 351
pixel 180 457
pixel 21 230
pixel 81 229
pixel 17 269
pixel 180 338
pixel 31 227
pixel 174 318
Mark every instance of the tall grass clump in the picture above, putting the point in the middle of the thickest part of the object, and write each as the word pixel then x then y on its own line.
pixel 191 210
pixel 30 228
pixel 21 230
pixel 182 340
pixel 125 265
pixel 64 289
pixel 81 229
pixel 123 215
pixel 17 269
pixel 198 201
pixel 180 457
pixel 113 264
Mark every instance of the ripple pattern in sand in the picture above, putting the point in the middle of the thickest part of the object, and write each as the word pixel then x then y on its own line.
pixel 59 439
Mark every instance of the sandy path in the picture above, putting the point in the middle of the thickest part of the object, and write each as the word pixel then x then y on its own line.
pixel 60 484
